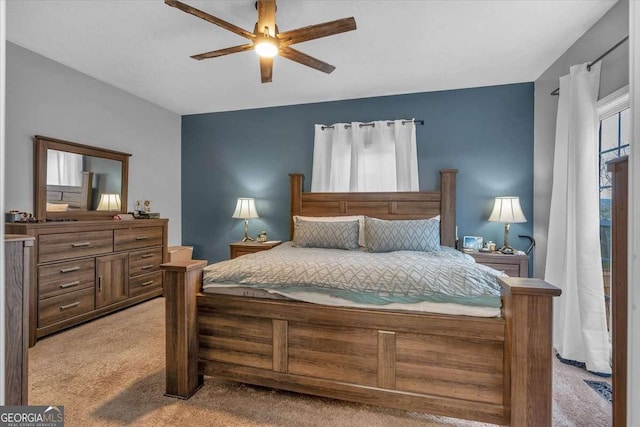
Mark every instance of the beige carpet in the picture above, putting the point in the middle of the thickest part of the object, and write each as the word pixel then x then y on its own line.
pixel 110 372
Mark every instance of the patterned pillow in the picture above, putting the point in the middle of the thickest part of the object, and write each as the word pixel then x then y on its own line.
pixel 333 235
pixel 402 235
pixel 360 219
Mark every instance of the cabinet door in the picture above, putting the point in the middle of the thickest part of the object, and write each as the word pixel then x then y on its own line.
pixel 112 279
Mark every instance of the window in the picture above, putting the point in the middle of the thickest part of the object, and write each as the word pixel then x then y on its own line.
pixel 614 141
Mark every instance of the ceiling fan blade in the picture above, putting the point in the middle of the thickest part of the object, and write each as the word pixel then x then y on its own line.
pixel 304 59
pixel 316 31
pixel 267 16
pixel 266 69
pixel 210 18
pixel 222 52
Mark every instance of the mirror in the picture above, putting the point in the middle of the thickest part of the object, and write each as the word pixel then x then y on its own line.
pixel 75 181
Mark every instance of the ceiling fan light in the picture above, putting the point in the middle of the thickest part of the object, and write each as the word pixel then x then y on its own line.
pixel 266 48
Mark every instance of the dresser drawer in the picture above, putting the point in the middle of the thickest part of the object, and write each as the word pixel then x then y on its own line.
pixel 56 247
pixel 134 238
pixel 145 283
pixel 145 261
pixel 60 278
pixel 56 309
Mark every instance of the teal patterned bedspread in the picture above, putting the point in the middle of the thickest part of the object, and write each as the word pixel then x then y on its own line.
pixel 359 276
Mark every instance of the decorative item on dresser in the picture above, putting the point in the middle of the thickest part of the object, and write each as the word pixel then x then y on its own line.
pixel 85 269
pixel 513 265
pixel 243 248
pixel 17 274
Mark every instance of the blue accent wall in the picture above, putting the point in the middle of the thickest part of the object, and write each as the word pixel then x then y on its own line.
pixel 486 133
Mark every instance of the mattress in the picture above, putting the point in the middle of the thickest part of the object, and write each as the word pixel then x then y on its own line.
pixel 445 281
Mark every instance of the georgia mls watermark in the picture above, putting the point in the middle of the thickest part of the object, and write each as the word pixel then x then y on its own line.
pixel 31 416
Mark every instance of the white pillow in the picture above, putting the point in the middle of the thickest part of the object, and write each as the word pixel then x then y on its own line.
pixel 360 219
pixel 57 207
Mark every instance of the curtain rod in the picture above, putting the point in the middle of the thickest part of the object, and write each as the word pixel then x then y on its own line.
pixel 373 124
pixel 599 58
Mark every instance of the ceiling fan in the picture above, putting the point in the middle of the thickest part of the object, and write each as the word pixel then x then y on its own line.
pixel 267 41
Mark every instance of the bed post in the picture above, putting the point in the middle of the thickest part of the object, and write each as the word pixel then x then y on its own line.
pixel 528 313
pixel 182 282
pixel 448 207
pixel 295 181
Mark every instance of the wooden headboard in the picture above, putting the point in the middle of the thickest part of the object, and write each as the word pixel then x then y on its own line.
pixel 386 205
pixel 77 197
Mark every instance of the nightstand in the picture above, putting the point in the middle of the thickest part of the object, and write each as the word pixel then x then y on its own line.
pixel 243 248
pixel 512 265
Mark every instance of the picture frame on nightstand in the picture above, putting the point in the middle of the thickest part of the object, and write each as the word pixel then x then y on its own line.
pixel 473 243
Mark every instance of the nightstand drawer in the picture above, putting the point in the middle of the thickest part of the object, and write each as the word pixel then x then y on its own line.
pixel 245 248
pixel 135 238
pixel 57 279
pixel 56 247
pixel 56 309
pixel 512 265
pixel 145 261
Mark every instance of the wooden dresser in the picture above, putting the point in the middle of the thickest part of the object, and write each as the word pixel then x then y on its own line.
pixel 17 263
pixel 85 269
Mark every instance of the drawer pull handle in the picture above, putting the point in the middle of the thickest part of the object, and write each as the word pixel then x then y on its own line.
pixel 146 256
pixel 146 267
pixel 69 285
pixel 100 283
pixel 73 304
pixel 80 245
pixel 142 237
pixel 69 270
pixel 148 282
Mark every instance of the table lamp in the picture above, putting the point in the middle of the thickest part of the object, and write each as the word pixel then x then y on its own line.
pixel 508 211
pixel 109 202
pixel 245 209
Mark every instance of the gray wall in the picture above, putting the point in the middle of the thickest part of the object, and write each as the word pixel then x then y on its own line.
pixel 47 98
pixel 608 31
pixel 486 133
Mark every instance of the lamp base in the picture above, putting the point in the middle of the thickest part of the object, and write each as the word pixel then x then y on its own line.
pixel 246 232
pixel 507 250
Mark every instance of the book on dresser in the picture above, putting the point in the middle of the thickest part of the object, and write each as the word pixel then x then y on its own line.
pixel 81 270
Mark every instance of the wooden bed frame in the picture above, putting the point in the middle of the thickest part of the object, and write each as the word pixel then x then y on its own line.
pixel 495 370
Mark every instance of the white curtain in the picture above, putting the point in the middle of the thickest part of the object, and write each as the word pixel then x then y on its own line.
pixel 573 255
pixel 64 168
pixel 355 157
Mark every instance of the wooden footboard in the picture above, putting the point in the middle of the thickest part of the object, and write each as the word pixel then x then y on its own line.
pixel 494 370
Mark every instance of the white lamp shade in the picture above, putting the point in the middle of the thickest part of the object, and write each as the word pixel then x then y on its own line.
pixel 109 202
pixel 245 208
pixel 507 210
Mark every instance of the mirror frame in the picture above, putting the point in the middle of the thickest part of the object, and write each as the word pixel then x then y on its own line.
pixel 44 143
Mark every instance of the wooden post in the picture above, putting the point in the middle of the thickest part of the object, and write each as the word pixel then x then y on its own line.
pixel 448 208
pixel 295 182
pixel 183 281
pixel 528 314
pixel 619 169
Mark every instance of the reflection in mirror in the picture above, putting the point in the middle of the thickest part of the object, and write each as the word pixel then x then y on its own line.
pixel 72 178
pixel 76 182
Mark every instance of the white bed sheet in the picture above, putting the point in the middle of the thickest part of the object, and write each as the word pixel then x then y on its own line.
pixel 323 299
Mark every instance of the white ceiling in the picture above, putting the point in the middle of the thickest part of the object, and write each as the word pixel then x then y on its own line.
pixel 143 47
